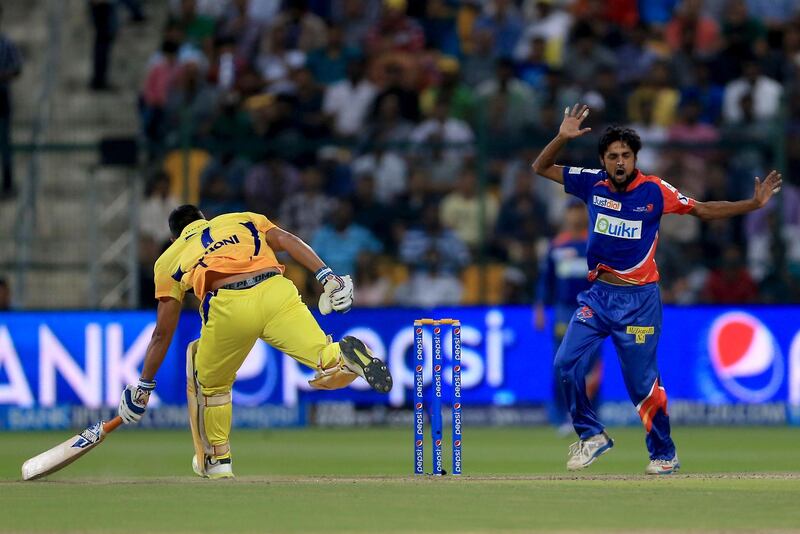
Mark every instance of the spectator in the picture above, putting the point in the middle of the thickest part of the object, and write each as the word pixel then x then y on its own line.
pixel 356 18
pixel 305 31
pixel 237 24
pixel 191 102
pixel 688 129
pixel 470 216
pixel 533 67
pixel 307 105
pixel 427 234
pixel 348 102
pixel 606 100
pixel 157 85
pixel 651 133
pixel 658 89
pixel 10 68
pixel 550 24
pixel 765 94
pixel 503 21
pixel 269 182
pixel 5 295
pixel 634 57
pixel 197 28
pixel 479 61
pixel 304 212
pixel 450 87
pixel 586 56
pixel 430 285
pixel 443 143
pixel 276 60
pixel 105 29
pixel 341 242
pixel 155 210
pixel 222 185
pixel 690 24
pixel 706 92
pixel 372 288
pixel 389 170
pixel 330 63
pixel 370 212
pixel 397 85
pixel 394 31
pixel 508 104
pixel 389 128
pixel 730 282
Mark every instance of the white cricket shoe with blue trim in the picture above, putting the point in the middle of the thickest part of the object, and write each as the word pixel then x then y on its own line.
pixel 582 453
pixel 663 467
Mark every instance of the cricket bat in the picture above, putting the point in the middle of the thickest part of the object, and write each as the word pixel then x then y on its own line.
pixel 64 454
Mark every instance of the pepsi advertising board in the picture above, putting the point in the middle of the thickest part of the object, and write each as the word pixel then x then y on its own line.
pixel 710 355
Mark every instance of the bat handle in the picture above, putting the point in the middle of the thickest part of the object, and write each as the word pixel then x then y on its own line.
pixel 110 426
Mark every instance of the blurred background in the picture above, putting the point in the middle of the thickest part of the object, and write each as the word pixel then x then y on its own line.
pixel 395 136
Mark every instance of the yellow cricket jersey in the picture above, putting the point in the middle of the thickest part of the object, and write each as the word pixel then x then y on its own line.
pixel 229 244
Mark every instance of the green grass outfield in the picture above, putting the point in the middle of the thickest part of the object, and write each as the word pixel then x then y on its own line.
pixel 358 480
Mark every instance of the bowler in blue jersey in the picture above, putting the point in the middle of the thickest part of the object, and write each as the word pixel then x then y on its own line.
pixel 625 208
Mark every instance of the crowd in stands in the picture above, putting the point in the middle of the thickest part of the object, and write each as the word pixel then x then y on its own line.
pixel 396 136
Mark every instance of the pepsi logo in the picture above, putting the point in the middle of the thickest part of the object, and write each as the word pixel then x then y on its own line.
pixel 419 443
pixel 745 357
pixel 418 406
pixel 457 368
pixel 437 368
pixel 419 368
pixel 438 443
pixel 457 406
pixel 437 330
pixel 457 443
pixel 419 330
pixel 457 331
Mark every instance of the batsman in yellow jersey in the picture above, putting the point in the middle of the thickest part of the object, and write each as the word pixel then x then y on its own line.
pixel 229 262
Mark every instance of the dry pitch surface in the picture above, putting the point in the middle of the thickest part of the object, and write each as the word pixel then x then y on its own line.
pixel 335 480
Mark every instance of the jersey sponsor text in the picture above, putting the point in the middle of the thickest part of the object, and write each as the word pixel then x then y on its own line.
pixel 615 227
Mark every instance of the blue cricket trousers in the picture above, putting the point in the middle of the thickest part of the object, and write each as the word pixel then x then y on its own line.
pixel 631 315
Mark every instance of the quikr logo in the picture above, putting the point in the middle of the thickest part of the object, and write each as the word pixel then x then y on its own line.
pixel 615 227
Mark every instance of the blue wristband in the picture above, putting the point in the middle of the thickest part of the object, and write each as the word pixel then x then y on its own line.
pixel 322 273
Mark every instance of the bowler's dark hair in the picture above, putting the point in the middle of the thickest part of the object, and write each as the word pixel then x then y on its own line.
pixel 619 133
pixel 181 217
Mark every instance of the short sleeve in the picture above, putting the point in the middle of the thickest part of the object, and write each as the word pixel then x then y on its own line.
pixel 579 181
pixel 263 225
pixel 169 284
pixel 674 201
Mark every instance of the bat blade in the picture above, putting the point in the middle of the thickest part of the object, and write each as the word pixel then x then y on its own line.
pixel 67 452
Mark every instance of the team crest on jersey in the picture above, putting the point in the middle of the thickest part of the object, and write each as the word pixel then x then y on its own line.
pixel 607 203
pixel 585 313
pixel 643 209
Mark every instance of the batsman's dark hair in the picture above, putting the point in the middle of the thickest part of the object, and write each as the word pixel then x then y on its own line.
pixel 182 216
pixel 619 133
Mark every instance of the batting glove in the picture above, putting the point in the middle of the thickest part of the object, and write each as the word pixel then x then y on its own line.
pixel 337 292
pixel 134 399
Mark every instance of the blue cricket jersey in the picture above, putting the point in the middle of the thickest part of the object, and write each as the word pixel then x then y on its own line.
pixel 623 226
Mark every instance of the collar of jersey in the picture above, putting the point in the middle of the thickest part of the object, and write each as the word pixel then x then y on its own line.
pixel 636 182
pixel 193 227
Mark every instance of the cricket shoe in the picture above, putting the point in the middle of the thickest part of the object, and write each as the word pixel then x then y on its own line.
pixel 582 453
pixel 663 467
pixel 215 469
pixel 359 359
